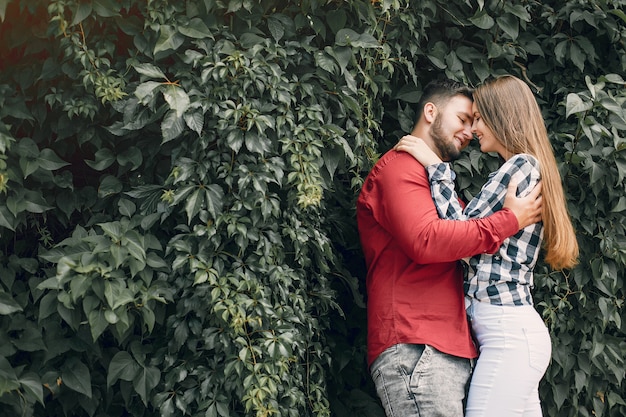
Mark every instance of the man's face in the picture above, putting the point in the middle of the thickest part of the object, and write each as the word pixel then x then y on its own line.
pixel 451 130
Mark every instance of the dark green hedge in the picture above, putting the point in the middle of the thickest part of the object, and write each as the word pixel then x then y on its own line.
pixel 177 187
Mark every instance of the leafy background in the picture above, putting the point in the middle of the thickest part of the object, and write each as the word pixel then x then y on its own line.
pixel 177 187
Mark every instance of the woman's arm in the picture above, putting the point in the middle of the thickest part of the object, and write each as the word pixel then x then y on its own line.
pixel 419 149
pixel 440 175
pixel 494 195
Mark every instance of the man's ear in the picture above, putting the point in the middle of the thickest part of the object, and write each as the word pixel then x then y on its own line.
pixel 430 112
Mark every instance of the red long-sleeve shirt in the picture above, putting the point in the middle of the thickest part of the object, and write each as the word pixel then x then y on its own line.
pixel 414 282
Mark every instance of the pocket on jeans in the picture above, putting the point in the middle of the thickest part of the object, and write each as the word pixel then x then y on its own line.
pixel 539 348
pixel 422 366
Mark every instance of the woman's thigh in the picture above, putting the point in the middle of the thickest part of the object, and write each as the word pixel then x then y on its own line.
pixel 515 350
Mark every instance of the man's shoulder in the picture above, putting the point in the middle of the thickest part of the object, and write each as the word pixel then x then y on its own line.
pixel 390 172
pixel 394 161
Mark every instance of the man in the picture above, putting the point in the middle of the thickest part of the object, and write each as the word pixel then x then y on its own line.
pixel 419 343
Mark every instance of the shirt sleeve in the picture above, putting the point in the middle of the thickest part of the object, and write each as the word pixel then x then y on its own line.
pixel 443 193
pixel 400 200
pixel 490 199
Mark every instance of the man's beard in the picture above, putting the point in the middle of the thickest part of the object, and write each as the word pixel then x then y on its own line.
pixel 447 150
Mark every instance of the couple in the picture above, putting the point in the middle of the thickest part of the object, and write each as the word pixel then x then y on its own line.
pixel 413 232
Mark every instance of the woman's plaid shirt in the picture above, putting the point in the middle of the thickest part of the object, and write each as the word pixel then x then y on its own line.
pixel 505 277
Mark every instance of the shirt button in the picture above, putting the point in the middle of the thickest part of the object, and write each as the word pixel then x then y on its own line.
pixel 497 258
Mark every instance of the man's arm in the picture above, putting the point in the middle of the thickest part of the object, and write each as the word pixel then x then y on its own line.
pixel 401 203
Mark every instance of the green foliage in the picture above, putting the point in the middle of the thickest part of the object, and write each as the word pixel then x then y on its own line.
pixel 177 187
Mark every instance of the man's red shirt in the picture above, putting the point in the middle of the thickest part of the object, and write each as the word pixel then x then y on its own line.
pixel 414 279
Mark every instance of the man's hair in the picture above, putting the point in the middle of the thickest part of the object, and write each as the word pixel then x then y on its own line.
pixel 439 92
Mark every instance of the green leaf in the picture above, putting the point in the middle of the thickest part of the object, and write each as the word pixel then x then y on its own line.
pixel 28 166
pixel 30 340
pixel 117 294
pixel 104 158
pixel 177 98
pixel 577 56
pixel 47 304
pixel 8 305
pixel 134 243
pixel 169 39
pixel 97 323
pixel 620 206
pixel 123 367
pixel 325 62
pixel 575 104
pixel 8 378
pixel 172 126
pixel 35 203
pixel 276 28
pixel 366 40
pixel 250 40
pixel 482 20
pixel 234 139
pixel 438 55
pixel 50 161
pixel 196 29
pixel 621 171
pixel 32 387
pixel 3 9
pixel 194 203
pixel 145 381
pixel 615 78
pixel 112 229
pixel 346 36
pixel 148 317
pixel 332 159
pixel 127 208
pixel 81 13
pixel 342 54
pixel 106 8
pixel 257 143
pixel 509 24
pixel 559 51
pixel 76 376
pixel 109 185
pixel 613 106
pixel 214 199
pixel 518 10
pixel 336 19
pixel 145 91
pixel 619 13
pixel 7 219
pixel 150 70
pixel 194 121
pixel 131 156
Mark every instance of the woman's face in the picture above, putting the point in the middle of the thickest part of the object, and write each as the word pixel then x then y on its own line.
pixel 486 138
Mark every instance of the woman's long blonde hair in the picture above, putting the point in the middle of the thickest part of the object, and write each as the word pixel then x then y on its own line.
pixel 509 108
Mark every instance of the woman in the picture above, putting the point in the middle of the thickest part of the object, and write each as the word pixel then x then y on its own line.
pixel 514 342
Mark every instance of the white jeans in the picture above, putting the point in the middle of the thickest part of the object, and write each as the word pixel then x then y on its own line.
pixel 515 350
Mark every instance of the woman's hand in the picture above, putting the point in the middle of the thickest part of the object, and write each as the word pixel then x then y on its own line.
pixel 418 149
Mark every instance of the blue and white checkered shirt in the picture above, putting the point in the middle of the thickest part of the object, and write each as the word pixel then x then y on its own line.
pixel 505 277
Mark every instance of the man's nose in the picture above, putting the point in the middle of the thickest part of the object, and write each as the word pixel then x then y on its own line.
pixel 468 132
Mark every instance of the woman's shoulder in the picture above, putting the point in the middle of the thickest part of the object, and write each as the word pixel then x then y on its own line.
pixel 520 159
pixel 518 166
pixel 522 162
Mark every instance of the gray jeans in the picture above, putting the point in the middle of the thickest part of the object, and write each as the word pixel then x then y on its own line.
pixel 420 381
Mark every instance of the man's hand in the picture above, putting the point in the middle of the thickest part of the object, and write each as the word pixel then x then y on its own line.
pixel 526 209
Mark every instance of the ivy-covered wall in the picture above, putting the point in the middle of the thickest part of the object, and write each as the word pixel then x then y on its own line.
pixel 177 188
